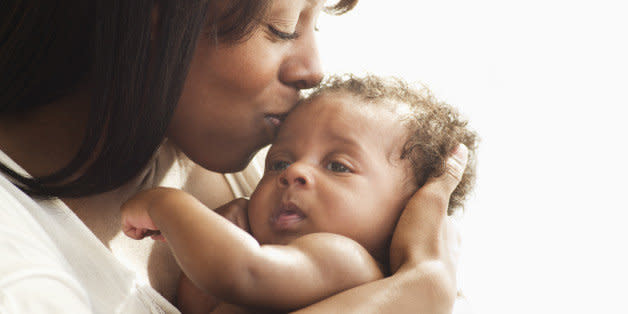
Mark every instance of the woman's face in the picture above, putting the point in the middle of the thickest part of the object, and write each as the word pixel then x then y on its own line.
pixel 236 94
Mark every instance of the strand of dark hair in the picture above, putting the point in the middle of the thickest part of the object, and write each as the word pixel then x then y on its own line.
pixel 134 92
pixel 48 47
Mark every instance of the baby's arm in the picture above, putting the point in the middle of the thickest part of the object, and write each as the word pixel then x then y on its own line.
pixel 230 264
pixel 191 299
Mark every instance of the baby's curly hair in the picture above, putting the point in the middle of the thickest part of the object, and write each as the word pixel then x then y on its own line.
pixel 434 128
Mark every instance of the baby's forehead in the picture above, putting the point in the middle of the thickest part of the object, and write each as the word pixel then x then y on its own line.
pixel 345 114
pixel 355 105
pixel 387 116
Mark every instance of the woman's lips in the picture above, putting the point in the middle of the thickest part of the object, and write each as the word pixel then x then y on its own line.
pixel 286 217
pixel 273 121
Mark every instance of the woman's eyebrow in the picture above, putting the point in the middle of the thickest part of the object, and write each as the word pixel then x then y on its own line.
pixel 281 20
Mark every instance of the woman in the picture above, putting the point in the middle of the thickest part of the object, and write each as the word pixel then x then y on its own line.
pixel 90 91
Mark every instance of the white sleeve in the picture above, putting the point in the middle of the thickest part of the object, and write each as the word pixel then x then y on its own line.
pixel 34 275
pixel 41 291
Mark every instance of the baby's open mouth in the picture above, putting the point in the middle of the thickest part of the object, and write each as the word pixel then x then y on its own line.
pixel 286 216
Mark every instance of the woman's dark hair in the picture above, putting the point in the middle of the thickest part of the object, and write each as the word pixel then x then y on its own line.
pixel 48 47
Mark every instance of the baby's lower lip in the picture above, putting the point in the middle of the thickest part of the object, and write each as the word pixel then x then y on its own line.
pixel 286 221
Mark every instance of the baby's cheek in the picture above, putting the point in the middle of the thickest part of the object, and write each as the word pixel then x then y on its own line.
pixel 264 191
pixel 259 207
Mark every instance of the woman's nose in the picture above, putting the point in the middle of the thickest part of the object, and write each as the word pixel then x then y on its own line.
pixel 297 174
pixel 301 68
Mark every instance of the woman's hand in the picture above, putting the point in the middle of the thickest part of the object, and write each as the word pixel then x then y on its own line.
pixel 425 240
pixel 422 257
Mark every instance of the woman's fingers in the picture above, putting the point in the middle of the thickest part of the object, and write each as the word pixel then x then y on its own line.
pixel 421 232
pixel 455 167
pixel 446 183
pixel 432 200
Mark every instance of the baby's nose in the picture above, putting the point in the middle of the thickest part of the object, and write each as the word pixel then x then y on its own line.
pixel 296 174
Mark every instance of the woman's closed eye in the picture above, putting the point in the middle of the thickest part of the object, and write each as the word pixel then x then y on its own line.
pixel 281 34
pixel 336 166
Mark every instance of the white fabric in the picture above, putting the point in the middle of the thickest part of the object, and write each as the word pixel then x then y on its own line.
pixel 243 183
pixel 50 262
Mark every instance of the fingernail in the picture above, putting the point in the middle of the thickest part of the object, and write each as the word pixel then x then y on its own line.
pixel 461 153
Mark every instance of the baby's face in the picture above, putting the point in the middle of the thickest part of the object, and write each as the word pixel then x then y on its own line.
pixel 334 167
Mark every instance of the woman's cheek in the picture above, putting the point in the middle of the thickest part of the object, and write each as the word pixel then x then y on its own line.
pixel 250 66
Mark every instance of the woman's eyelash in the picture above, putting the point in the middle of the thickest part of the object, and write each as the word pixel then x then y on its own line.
pixel 283 35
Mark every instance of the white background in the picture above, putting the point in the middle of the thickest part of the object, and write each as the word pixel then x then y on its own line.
pixel 545 84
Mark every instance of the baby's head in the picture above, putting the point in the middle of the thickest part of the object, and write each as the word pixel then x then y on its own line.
pixel 349 157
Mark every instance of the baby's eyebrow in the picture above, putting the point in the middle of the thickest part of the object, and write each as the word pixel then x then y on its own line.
pixel 343 139
pixel 347 142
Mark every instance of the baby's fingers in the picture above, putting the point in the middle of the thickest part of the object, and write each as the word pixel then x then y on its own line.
pixel 155 235
pixel 141 233
pixel 134 233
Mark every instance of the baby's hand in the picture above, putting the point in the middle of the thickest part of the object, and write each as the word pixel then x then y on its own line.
pixel 136 222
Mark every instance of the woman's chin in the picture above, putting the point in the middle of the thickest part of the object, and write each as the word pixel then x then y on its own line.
pixel 214 157
pixel 228 165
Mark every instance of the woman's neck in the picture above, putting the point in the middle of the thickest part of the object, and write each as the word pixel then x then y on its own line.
pixel 46 138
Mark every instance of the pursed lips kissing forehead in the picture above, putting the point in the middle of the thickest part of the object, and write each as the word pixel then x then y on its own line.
pixel 237 94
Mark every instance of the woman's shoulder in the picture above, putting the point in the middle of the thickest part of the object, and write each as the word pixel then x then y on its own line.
pixel 30 259
pixel 16 210
pixel 25 230
pixel 52 263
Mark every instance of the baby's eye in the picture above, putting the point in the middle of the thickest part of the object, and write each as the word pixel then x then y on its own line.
pixel 278 165
pixel 337 167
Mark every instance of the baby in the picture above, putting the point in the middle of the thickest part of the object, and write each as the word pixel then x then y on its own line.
pixel 341 170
